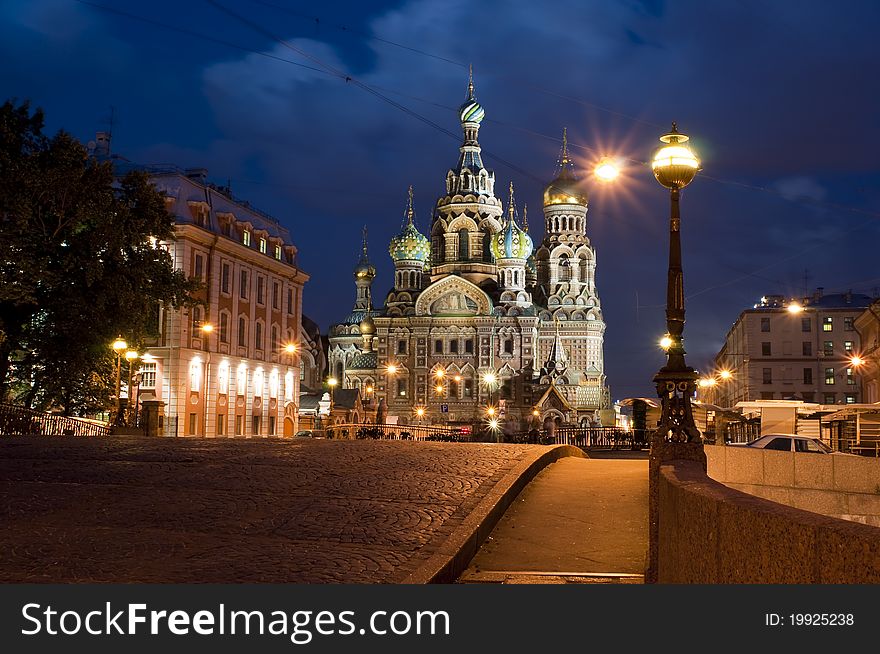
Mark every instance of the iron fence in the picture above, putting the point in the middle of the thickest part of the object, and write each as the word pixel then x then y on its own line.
pixel 21 421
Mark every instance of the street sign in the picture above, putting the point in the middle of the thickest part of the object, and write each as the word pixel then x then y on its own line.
pixel 444 408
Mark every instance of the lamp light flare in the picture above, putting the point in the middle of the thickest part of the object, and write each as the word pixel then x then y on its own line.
pixel 119 344
pixel 856 360
pixel 607 169
pixel 490 411
pixel 332 382
pixel 666 342
pixel 420 411
pixel 794 307
pixel 392 369
pixel 290 348
pixel 706 382
pixel 439 373
pixel 439 388
pixel 493 424
pixel 131 355
pixel 489 378
pixel 725 374
pixel 207 328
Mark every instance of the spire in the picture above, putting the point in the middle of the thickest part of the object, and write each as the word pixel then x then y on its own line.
pixel 526 218
pixel 564 157
pixel 409 206
pixel 470 95
pixel 558 356
pixel 511 207
pixel 364 258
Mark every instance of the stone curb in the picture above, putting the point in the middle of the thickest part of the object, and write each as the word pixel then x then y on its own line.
pixel 456 552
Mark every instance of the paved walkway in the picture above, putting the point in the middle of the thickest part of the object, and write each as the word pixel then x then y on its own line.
pixel 178 510
pixel 578 521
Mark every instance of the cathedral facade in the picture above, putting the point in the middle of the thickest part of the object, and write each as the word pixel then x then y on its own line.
pixel 480 319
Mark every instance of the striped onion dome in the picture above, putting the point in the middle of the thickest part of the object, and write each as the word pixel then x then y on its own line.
pixel 410 244
pixel 471 111
pixel 512 242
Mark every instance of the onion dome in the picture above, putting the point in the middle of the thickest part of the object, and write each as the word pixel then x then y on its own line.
pixel 566 188
pixel 410 244
pixel 364 269
pixel 367 326
pixel 471 111
pixel 511 242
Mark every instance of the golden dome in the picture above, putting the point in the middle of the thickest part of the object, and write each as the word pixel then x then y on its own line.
pixel 566 188
pixel 367 326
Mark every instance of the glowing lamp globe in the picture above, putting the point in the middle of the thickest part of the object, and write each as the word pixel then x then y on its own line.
pixel 674 164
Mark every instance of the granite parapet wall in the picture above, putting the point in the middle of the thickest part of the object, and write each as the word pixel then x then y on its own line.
pixel 710 533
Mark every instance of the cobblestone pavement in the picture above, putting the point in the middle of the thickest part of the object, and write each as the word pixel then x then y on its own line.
pixel 181 510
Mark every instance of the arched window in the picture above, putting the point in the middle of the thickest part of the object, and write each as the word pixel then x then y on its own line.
pixel 196 320
pixel 564 268
pixel 224 327
pixel 508 345
pixel 463 245
pixel 242 331
pixel 258 336
pixel 274 337
pixel 339 370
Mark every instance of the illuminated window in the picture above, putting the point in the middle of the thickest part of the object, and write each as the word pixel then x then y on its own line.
pixel 223 379
pixel 273 384
pixel 196 320
pixel 468 388
pixel 827 324
pixel 848 347
pixel 850 377
pixel 829 376
pixel 850 398
pixel 148 375
pixel 246 237
pixel 278 252
pixel 263 245
pixel 828 348
pixel 259 378
pixel 241 380
pixel 288 385
pixel 195 375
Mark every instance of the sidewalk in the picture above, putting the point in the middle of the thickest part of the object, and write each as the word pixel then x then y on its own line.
pixel 578 521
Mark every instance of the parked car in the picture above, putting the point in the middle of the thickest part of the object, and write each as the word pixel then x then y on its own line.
pixel 791 443
pixel 305 433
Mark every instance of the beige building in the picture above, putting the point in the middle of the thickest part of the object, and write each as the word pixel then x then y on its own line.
pixel 792 349
pixel 868 327
pixel 222 369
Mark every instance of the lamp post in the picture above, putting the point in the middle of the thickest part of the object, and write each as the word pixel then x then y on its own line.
pixel 674 165
pixel 119 345
pixel 131 356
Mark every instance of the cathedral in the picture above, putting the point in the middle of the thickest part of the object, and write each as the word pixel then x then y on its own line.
pixel 480 319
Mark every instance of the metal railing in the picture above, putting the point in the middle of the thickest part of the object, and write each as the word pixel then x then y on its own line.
pixel 21 421
pixel 862 447
pixel 396 432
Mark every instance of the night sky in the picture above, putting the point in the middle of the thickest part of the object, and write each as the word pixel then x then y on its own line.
pixel 780 99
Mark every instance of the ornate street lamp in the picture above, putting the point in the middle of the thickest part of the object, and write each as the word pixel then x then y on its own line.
pixel 119 345
pixel 675 165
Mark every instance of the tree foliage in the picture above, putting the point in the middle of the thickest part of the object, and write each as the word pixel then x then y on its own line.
pixel 79 263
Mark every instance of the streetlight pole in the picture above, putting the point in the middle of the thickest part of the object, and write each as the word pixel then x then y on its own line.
pixel 119 345
pixel 674 165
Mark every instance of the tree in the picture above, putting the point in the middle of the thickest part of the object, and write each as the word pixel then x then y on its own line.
pixel 80 261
